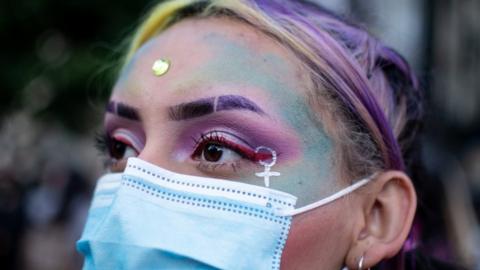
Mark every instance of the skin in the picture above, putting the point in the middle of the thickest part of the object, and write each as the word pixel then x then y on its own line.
pixel 221 65
pixel 214 57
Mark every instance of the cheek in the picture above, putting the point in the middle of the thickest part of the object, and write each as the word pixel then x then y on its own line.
pixel 317 240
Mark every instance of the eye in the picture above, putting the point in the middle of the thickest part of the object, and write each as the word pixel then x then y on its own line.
pixel 118 146
pixel 123 144
pixel 217 149
pixel 214 152
pixel 120 150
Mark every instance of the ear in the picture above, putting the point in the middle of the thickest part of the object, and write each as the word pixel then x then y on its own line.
pixel 388 211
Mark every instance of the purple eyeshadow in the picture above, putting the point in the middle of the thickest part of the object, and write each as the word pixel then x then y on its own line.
pixel 252 133
pixel 113 122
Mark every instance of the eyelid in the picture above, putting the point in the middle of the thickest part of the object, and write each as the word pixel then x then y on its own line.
pixel 231 141
pixel 122 134
pixel 226 135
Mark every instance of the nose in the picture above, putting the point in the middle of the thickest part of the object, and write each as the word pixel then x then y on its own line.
pixel 162 155
pixel 154 153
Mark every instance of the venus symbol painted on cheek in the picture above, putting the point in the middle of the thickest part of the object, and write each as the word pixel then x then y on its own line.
pixel 267 163
pixel 269 72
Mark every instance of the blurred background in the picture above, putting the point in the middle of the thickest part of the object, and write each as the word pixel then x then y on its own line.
pixel 57 66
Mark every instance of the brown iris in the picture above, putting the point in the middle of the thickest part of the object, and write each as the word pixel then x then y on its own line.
pixel 117 149
pixel 212 152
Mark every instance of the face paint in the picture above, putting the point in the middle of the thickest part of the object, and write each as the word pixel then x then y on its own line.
pixel 239 65
pixel 267 164
pixel 229 65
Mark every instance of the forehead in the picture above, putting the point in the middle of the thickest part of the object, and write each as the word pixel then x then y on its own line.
pixel 210 52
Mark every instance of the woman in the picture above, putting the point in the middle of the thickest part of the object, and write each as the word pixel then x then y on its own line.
pixel 246 124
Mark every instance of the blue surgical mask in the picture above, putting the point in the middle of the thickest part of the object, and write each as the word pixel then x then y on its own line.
pixel 151 218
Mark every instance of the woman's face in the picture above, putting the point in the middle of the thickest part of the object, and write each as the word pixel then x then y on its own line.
pixel 229 90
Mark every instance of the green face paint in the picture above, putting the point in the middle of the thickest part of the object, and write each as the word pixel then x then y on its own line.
pixel 232 65
pixel 236 64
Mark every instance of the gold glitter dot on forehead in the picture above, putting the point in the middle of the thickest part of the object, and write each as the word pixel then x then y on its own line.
pixel 160 67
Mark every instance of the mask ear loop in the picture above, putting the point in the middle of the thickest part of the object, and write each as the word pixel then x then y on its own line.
pixel 339 194
pixel 266 174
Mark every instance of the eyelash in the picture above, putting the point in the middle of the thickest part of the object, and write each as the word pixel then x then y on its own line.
pixel 216 137
pixel 101 142
pixel 104 143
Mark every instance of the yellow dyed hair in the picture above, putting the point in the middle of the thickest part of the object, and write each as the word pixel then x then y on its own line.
pixel 165 13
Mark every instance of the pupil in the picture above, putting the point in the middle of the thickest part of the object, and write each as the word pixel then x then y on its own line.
pixel 212 152
pixel 118 150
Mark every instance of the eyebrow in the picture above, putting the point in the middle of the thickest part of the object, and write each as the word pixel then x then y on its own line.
pixel 210 105
pixel 123 110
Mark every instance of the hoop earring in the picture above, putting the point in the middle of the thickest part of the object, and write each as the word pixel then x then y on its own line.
pixel 360 262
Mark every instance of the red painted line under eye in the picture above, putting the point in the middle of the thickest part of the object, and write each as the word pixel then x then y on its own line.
pixel 251 155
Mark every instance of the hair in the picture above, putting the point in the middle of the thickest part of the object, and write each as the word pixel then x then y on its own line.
pixel 364 93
